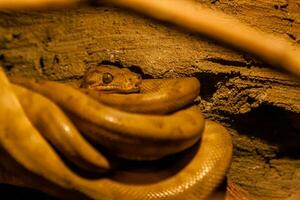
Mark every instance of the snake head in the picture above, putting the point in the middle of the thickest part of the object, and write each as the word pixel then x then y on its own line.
pixel 112 79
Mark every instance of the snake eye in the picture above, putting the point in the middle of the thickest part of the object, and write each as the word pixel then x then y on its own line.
pixel 107 78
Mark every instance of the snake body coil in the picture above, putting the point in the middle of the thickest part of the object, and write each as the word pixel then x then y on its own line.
pixel 192 174
pixel 155 136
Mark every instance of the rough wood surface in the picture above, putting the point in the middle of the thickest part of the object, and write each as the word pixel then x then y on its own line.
pixel 261 105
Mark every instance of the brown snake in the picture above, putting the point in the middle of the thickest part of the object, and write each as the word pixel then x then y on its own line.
pixel 191 175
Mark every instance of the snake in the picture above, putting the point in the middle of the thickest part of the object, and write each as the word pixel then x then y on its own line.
pixel 11 106
pixel 187 155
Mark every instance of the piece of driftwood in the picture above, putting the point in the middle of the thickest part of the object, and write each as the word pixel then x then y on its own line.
pixel 260 104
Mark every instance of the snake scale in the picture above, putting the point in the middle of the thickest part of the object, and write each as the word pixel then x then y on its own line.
pixel 32 114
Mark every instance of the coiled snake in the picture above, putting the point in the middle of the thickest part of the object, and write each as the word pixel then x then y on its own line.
pixel 140 136
pixel 174 127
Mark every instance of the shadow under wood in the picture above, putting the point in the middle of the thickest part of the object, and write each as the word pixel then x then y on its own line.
pixel 209 83
pixel 132 68
pixel 273 125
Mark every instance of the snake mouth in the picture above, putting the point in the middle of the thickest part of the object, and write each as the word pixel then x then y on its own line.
pixel 118 89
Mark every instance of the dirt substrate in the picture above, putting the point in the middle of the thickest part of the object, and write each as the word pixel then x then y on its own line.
pixel 260 105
